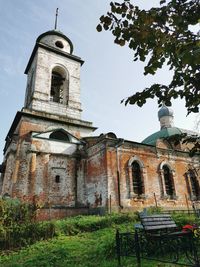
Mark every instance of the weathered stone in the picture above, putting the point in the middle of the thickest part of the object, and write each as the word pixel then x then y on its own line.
pixel 51 159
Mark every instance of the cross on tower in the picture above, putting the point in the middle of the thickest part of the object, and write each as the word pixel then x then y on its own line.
pixel 56 19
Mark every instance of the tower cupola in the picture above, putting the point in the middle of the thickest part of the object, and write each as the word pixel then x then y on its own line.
pixel 166 116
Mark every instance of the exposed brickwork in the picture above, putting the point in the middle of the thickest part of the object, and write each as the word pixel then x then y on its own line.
pixel 72 173
pixel 96 175
pixel 152 158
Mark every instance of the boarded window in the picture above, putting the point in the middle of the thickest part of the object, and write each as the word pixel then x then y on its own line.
pixel 168 179
pixel 137 179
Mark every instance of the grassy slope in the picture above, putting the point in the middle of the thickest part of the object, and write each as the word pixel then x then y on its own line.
pixel 79 244
pixel 84 250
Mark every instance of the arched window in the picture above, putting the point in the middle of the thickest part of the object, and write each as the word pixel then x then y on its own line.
pixel 60 135
pixel 137 179
pixel 194 184
pixel 59 86
pixel 168 180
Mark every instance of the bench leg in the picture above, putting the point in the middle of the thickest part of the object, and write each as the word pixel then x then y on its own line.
pixel 118 248
pixel 137 249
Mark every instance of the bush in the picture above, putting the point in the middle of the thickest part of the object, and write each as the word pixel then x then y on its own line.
pixel 182 219
pixel 18 227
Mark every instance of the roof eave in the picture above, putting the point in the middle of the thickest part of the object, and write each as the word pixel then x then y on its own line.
pixel 56 51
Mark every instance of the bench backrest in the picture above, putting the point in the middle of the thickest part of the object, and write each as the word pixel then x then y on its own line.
pixel 157 222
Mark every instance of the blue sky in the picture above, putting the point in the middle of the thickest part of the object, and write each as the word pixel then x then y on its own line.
pixel 108 75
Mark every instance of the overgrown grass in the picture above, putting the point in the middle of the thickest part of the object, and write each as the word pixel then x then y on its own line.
pixel 80 224
pixel 82 241
pixel 95 249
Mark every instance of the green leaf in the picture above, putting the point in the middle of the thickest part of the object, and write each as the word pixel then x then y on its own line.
pixel 125 23
pixel 122 42
pixel 99 28
pixel 161 34
pixel 162 2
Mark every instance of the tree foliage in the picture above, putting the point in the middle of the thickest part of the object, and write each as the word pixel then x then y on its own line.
pixel 165 35
pixel 184 138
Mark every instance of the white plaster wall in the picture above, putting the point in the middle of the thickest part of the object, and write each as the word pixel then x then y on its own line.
pixel 166 121
pixel 81 185
pixel 30 86
pixel 51 40
pixel 54 147
pixel 47 60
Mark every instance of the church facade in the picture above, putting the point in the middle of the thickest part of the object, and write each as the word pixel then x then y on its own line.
pixel 52 157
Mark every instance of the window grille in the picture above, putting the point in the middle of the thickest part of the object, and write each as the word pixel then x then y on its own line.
pixel 168 179
pixel 137 179
pixel 194 184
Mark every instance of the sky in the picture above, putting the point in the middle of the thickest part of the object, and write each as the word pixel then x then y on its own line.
pixel 108 75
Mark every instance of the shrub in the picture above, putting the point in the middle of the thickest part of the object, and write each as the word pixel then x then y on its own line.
pixel 18 227
pixel 182 219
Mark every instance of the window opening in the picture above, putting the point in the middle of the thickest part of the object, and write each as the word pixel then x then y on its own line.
pixel 59 135
pixel 59 44
pixel 57 82
pixel 168 181
pixel 194 184
pixel 137 179
pixel 57 179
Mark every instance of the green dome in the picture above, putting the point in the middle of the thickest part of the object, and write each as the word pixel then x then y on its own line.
pixel 165 132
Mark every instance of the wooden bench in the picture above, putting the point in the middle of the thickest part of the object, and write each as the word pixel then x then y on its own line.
pixel 163 237
pixel 157 238
pixel 159 224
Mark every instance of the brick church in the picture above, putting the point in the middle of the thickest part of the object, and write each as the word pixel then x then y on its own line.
pixel 53 157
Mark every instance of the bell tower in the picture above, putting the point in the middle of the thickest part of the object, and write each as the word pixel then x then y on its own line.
pixel 53 82
pixel 42 152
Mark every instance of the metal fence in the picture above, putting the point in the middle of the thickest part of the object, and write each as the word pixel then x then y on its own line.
pixel 181 249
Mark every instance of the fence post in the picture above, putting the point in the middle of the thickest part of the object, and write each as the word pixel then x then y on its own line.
pixel 196 258
pixel 155 199
pixel 137 249
pixel 187 203
pixel 118 248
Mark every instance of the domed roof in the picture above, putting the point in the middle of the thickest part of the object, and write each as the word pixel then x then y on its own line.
pixel 57 33
pixel 165 111
pixel 163 133
pixel 54 41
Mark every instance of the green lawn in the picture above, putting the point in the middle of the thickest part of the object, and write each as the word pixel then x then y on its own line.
pixel 82 241
pixel 94 249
